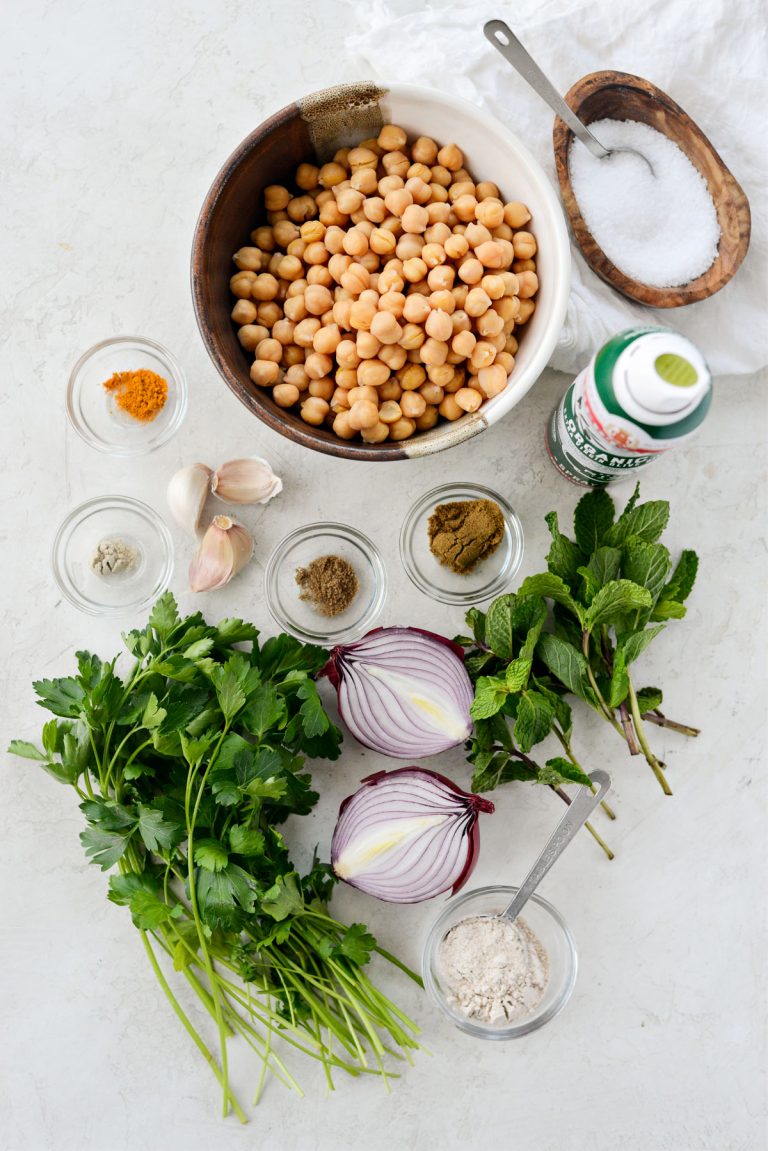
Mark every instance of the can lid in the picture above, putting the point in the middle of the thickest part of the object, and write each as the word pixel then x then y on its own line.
pixel 660 377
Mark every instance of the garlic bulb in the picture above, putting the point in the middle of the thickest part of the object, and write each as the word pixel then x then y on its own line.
pixel 186 495
pixel 250 481
pixel 225 550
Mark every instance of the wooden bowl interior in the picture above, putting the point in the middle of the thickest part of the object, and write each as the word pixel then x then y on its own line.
pixel 619 96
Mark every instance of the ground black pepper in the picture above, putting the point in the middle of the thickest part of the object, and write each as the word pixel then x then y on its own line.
pixel 329 584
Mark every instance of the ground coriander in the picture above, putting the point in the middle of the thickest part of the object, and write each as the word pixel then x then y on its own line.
pixel 329 584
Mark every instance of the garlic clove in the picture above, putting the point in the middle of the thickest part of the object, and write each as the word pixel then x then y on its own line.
pixel 186 495
pixel 225 549
pixel 249 481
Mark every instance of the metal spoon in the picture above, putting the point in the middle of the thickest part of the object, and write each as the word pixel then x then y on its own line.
pixel 504 41
pixel 575 817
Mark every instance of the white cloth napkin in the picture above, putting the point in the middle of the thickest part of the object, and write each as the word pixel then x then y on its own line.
pixel 708 55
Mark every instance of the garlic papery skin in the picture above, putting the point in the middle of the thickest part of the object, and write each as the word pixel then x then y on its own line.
pixel 249 481
pixel 225 550
pixel 186 495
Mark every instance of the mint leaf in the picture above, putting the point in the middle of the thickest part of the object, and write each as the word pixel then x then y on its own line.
pixel 501 768
pixel 517 673
pixel 647 565
pixel 499 631
pixel 592 518
pixel 210 854
pixel 618 689
pixel 683 577
pixel 490 694
pixel 550 586
pixel 604 565
pixel 563 557
pixel 535 716
pixel 559 771
pixel 565 662
pixel 649 699
pixel 645 523
pixel 613 600
pixel 284 898
pixel 668 609
pixel 476 621
pixel 634 645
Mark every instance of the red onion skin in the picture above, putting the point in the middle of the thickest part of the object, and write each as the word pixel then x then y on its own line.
pixel 477 803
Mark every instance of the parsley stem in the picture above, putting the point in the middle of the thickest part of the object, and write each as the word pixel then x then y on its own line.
pixel 207 1055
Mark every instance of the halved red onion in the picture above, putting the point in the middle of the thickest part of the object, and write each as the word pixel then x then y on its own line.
pixel 407 835
pixel 403 691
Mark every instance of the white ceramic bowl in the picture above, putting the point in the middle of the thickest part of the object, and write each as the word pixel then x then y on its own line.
pixel 338 117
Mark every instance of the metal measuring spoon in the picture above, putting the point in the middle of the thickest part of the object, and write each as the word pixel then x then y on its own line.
pixel 575 817
pixel 504 41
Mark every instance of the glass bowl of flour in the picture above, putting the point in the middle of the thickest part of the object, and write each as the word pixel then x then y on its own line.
pixel 495 979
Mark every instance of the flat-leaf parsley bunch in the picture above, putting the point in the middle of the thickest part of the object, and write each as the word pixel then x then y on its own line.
pixel 185 769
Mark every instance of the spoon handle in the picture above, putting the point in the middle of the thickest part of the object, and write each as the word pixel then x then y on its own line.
pixel 504 40
pixel 575 817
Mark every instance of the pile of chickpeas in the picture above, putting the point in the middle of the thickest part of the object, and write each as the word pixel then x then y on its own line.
pixel 386 292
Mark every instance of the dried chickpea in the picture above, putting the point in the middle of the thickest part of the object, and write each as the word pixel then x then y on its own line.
pixel 492 380
pixel 331 174
pixel 524 245
pixel 373 372
pixel 265 373
pixel 393 355
pixel 490 212
pixel 411 377
pixel 461 321
pixel 390 390
pixel 439 195
pixel 438 325
pixel 306 177
pixel 493 286
pixel 276 197
pixel 331 215
pixel 292 355
pixel 528 285
pixel 347 199
pixel 364 180
pixel 375 209
pixel 356 279
pixel 401 429
pixel 443 299
pixel 416 308
pixel 323 388
pixel 384 327
pixel 318 299
pixel 449 409
pixel 389 183
pixel 471 271
pixel 355 242
pixel 476 234
pixel 456 246
pixel 367 345
pixel 268 313
pixel 433 351
pixel 342 428
pixel 432 393
pixel 412 338
pixel 413 405
pixel 397 201
pixel 523 266
pixel 428 420
pixel 361 158
pixel 377 434
pixel 477 302
pixel 391 138
pixel 363 392
pixel 290 268
pixel 395 164
pixel 304 332
pixel 276 217
pixel 414 269
pixel 297 376
pixel 264 287
pixel 244 312
pixel 527 308
pixel 505 360
pixel 241 284
pixel 459 293
pixel 314 410
pixel 285 395
pixel 490 324
pixel 419 190
pixel 391 280
pixel 327 340
pixel 464 208
pixel 283 331
pixel 516 214
pixel 451 157
pixel 295 308
pixel 263 238
pixel 490 254
pixel 269 349
pixel 409 246
pixel 483 355
pixel 415 218
pixel 251 335
pixel 248 259
pixel 468 399
pixel 390 411
pixel 463 343
pixel 424 150
pixel 339 401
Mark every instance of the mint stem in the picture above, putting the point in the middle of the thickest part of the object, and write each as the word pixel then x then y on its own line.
pixel 661 720
pixel 629 733
pixel 598 839
pixel 655 764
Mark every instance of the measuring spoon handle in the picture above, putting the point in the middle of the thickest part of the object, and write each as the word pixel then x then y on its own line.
pixel 504 40
pixel 575 817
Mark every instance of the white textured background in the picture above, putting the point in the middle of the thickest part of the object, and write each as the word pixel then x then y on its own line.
pixel 115 119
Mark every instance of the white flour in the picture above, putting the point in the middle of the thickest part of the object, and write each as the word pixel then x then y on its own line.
pixel 493 970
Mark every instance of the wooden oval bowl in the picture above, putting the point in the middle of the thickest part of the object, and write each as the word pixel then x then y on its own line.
pixel 620 96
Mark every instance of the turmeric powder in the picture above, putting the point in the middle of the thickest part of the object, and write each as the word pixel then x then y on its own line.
pixel 142 394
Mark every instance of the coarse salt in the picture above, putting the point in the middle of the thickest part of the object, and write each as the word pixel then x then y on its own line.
pixel 660 228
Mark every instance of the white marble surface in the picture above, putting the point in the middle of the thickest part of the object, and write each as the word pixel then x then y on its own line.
pixel 116 117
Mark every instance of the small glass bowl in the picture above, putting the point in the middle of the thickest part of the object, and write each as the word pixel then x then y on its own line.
pixel 544 921
pixel 112 517
pixel 296 615
pixel 491 575
pixel 93 412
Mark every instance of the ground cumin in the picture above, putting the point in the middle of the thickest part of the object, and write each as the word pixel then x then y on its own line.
pixel 142 394
pixel 329 583
pixel 465 532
